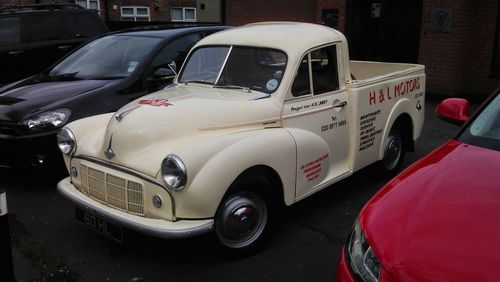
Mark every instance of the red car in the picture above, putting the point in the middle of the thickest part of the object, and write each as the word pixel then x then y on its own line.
pixel 439 220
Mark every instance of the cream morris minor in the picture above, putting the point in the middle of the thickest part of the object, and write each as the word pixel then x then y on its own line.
pixel 259 115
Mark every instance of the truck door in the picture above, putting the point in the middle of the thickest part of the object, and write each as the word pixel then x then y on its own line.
pixel 316 113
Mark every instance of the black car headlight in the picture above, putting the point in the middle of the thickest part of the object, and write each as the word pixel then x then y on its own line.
pixel 47 120
pixel 173 172
pixel 360 256
pixel 66 141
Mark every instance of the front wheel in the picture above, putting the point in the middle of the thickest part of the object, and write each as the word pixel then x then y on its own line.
pixel 394 153
pixel 241 220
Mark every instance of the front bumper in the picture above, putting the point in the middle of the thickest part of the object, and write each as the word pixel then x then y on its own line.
pixel 154 227
pixel 343 272
pixel 25 151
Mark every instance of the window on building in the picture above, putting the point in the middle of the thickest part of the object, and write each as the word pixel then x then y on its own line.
pixel 135 14
pixel 89 4
pixel 183 14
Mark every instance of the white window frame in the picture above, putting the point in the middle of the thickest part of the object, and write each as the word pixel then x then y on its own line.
pixel 183 14
pixel 87 4
pixel 134 15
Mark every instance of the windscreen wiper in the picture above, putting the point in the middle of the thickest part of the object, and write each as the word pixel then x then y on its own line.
pixel 230 86
pixel 65 77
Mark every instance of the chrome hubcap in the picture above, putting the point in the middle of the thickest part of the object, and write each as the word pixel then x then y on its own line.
pixel 241 220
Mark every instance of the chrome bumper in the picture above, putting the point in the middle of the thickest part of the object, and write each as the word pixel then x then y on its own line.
pixel 154 227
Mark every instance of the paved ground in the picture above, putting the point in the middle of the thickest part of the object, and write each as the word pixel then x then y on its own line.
pixel 49 245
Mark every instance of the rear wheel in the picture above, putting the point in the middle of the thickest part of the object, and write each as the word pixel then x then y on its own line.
pixel 241 220
pixel 393 153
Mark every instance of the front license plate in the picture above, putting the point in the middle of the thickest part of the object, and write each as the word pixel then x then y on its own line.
pixel 100 225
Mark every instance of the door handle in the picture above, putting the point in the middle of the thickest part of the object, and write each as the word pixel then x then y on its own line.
pixel 340 105
pixel 17 52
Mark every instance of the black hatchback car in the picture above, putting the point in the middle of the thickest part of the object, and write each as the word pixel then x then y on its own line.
pixel 33 37
pixel 97 78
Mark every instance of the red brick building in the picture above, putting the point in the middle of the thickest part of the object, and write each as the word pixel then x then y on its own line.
pixel 144 10
pixel 454 39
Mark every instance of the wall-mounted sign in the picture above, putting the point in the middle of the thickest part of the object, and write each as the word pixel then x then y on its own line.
pixel 441 19
pixel 3 203
pixel 376 7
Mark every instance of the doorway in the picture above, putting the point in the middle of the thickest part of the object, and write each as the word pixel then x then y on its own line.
pixel 384 30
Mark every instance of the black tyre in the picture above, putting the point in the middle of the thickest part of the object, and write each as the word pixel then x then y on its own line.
pixel 241 220
pixel 394 153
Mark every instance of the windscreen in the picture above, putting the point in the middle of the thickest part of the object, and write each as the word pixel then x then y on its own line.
pixel 484 130
pixel 109 57
pixel 259 69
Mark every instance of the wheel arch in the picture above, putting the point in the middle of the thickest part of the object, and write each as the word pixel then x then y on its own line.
pixel 264 173
pixel 400 118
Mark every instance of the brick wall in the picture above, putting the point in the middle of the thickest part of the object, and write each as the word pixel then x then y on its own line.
pixel 332 4
pixel 159 10
pixel 459 62
pixel 240 12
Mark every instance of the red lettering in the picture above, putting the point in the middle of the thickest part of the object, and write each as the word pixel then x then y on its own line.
pixel 373 99
pixel 397 90
pixel 381 98
pixel 388 94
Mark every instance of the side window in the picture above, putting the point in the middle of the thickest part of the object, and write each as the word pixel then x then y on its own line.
pixel 46 27
pixel 176 50
pixel 85 25
pixel 301 84
pixel 10 33
pixel 324 70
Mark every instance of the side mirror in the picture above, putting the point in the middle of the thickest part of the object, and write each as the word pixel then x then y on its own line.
pixel 453 110
pixel 163 74
pixel 173 67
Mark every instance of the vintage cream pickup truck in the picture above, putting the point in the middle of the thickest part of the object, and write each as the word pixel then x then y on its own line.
pixel 260 115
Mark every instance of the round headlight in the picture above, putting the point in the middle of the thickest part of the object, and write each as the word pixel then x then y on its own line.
pixel 173 172
pixel 66 141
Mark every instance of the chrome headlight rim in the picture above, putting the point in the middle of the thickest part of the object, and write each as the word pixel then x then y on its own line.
pixel 66 135
pixel 358 253
pixel 174 169
pixel 47 121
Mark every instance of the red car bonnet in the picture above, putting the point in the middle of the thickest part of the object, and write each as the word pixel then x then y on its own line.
pixel 440 218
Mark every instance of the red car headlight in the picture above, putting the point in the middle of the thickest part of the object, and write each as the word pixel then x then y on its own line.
pixel 360 256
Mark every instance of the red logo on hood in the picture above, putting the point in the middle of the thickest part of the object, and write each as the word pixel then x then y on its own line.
pixel 155 103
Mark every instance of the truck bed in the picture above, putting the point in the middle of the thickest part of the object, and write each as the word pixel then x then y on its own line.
pixel 365 72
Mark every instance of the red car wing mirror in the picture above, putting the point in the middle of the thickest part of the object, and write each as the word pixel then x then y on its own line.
pixel 453 110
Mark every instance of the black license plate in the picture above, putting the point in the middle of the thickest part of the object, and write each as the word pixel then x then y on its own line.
pixel 100 225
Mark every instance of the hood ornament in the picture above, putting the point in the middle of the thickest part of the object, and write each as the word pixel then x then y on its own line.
pixel 109 152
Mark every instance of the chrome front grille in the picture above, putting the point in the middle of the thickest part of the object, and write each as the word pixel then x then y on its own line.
pixel 112 190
